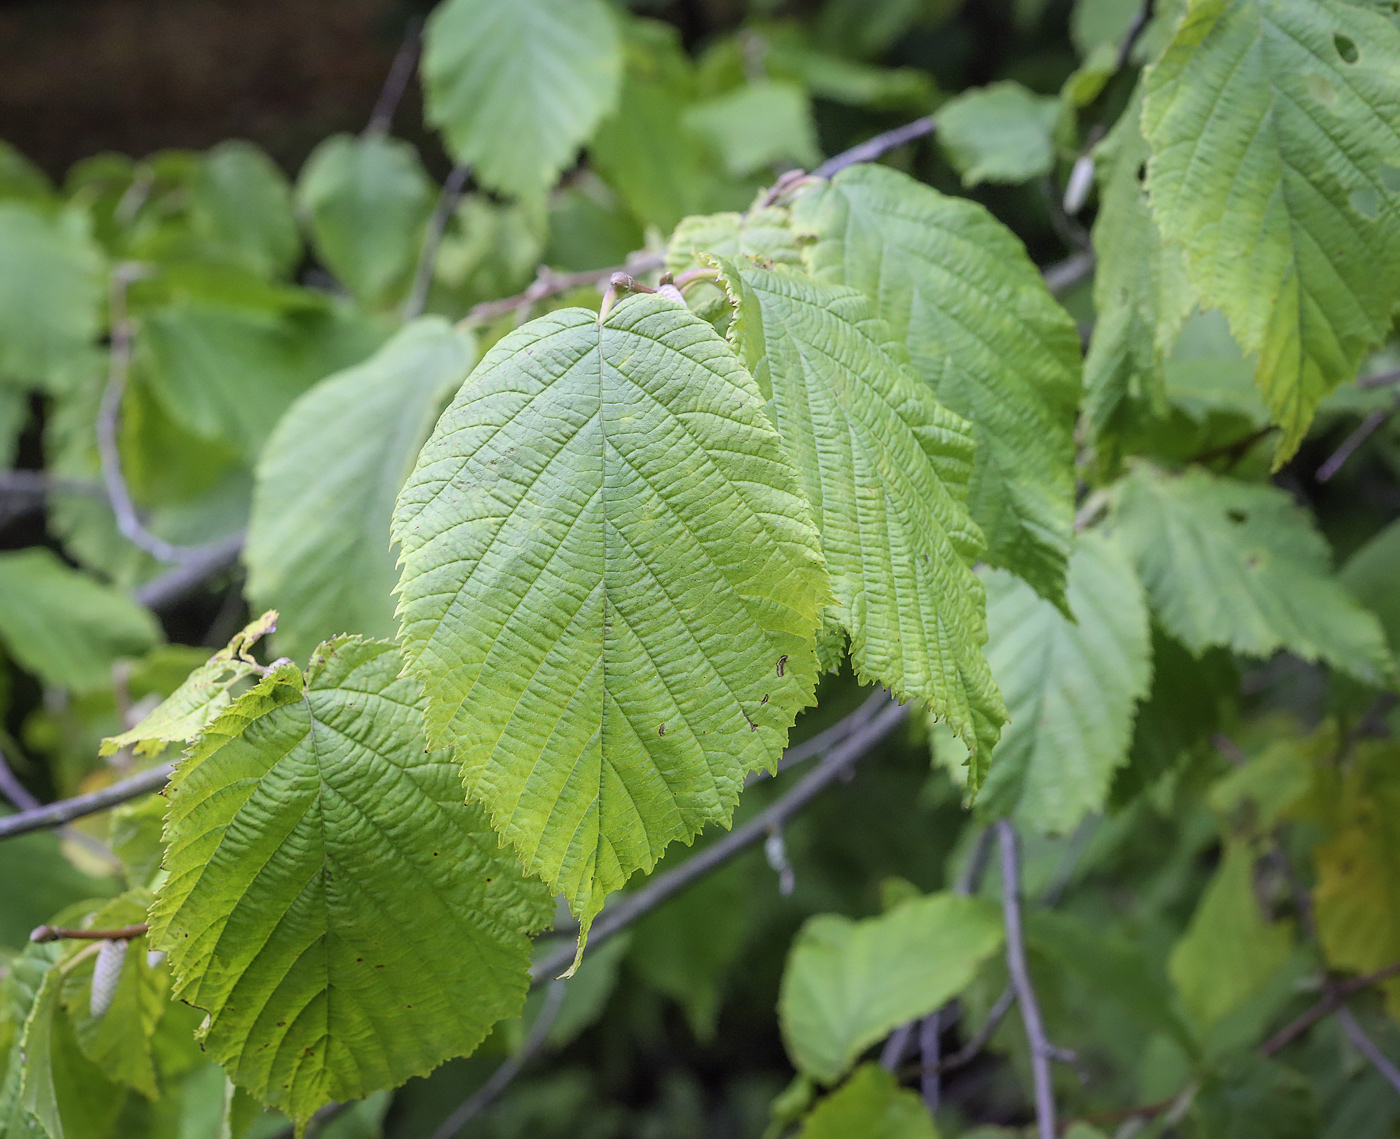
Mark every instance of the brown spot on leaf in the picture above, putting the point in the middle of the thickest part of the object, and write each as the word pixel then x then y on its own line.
pixel 661 731
pixel 782 663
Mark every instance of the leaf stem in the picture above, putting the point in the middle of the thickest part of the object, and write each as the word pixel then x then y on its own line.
pixel 60 933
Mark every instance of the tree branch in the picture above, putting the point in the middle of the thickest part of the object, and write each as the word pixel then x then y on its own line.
pixel 548 283
pixel 1135 30
pixel 1334 999
pixel 177 583
pixel 500 1079
pixel 1352 443
pixel 66 810
pixel 1367 1047
pixel 381 119
pixel 38 484
pixel 432 240
pixel 873 148
pixel 60 933
pixel 1040 1047
pixel 632 907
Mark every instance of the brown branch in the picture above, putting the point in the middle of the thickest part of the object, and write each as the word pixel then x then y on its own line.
pixel 61 933
pixel 548 283
pixel 1333 1000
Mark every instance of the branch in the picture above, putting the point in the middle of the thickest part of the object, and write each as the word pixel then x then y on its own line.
pixel 1367 1047
pixel 41 483
pixel 873 148
pixel 1064 275
pixel 177 583
pixel 381 119
pixel 1381 380
pixel 60 933
pixel 632 907
pixel 1130 41
pixel 825 740
pixel 1041 1049
pixel 109 425
pixel 1369 426
pixel 500 1079
pixel 1334 999
pixel 66 810
pixel 432 240
pixel 548 283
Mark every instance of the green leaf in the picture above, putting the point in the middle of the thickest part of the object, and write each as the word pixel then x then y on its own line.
pixel 849 983
pixel 1370 576
pixel 764 232
pixel 610 588
pixel 999 133
pixel 958 288
pixel 38 879
pixel 1071 687
pixel 885 468
pixel 201 696
pixel 51 294
pixel 366 201
pixel 1240 565
pixel 1229 951
pixel 318 544
pixel 14 416
pixel 1273 132
pixel 1253 1098
pixel 227 371
pixel 757 125
pixel 63 626
pixel 345 922
pixel 241 204
pixel 516 86
pixel 870 1105
pixel 1142 296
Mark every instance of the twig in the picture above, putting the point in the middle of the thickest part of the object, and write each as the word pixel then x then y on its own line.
pixel 1040 1047
pixel 61 933
pixel 500 1079
pixel 973 1048
pixel 1334 999
pixel 547 283
pixel 1135 30
pixel 873 148
pixel 826 739
pixel 432 240
pixel 176 583
pixel 1380 380
pixel 1367 1047
pixel 41 483
pixel 381 119
pixel 18 794
pixel 1064 275
pixel 634 906
pixel 1368 427
pixel 66 810
pixel 109 425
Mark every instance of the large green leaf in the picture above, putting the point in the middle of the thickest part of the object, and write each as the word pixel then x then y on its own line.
pixel 1274 127
pixel 849 983
pixel 64 626
pixel 241 204
pixel 366 201
pixel 999 133
pixel 885 468
pixel 518 85
pixel 757 125
pixel 763 232
pixel 1229 951
pixel 51 294
pixel 318 544
pixel 1071 687
pixel 1239 565
pixel 610 588
pixel 1141 293
pixel 870 1105
pixel 343 919
pixel 959 289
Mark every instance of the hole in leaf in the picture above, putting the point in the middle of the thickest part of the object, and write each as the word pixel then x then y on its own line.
pixel 1238 517
pixel 1321 89
pixel 1142 173
pixel 1345 48
pixel 1390 177
pixel 1365 203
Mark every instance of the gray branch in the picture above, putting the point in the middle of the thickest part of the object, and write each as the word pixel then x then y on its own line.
pixel 432 240
pixel 873 148
pixel 66 810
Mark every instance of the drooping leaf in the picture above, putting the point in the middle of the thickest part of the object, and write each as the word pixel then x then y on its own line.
pixel 366 201
pixel 1240 565
pixel 1071 687
pixel 241 203
pixel 869 1105
pixel 516 86
pixel 64 626
pixel 344 920
pixel 610 588
pixel 318 545
pixel 849 983
pixel 1357 896
pixel 1230 950
pixel 999 133
pixel 51 294
pixel 203 694
pixel 757 125
pixel 1141 292
pixel 1272 128
pixel 958 288
pixel 885 468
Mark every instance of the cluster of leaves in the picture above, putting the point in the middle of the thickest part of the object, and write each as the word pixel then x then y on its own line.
pixel 584 561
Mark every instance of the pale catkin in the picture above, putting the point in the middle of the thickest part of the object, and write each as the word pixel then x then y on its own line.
pixel 106 974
